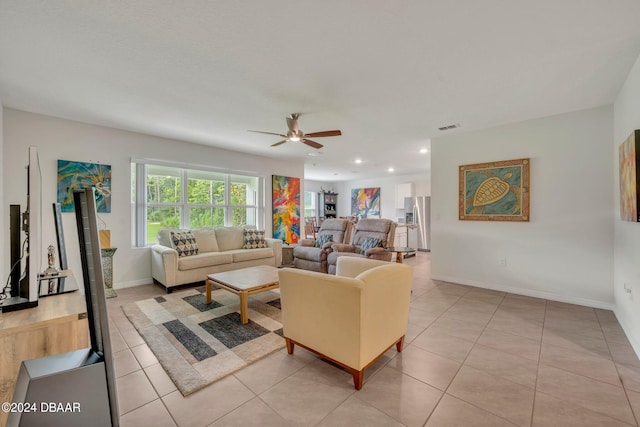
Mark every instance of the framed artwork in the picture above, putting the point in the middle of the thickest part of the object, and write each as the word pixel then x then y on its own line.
pixel 629 152
pixel 365 202
pixel 495 191
pixel 79 175
pixel 286 208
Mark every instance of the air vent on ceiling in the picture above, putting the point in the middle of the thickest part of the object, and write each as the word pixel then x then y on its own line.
pixel 449 127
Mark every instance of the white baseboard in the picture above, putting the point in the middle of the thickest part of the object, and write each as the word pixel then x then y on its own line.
pixel 527 292
pixel 132 283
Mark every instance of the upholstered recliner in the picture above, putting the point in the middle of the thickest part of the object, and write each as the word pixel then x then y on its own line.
pixel 309 257
pixel 351 318
pixel 373 228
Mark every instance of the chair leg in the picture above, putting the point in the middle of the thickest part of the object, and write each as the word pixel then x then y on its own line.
pixel 289 345
pixel 400 344
pixel 358 376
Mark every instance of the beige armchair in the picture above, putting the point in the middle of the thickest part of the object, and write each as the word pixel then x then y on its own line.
pixel 351 318
pixel 383 229
pixel 309 257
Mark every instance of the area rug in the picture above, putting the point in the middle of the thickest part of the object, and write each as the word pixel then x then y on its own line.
pixel 196 343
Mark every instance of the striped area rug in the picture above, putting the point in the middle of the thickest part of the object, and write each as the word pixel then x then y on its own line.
pixel 196 343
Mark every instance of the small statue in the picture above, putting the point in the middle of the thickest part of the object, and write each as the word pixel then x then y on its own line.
pixel 51 260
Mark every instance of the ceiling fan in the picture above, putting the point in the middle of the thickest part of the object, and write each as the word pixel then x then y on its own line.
pixel 295 134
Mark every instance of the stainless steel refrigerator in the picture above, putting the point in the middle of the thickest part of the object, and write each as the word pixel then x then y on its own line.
pixel 418 212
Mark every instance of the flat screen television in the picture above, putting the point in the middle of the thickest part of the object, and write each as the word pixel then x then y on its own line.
pixel 24 294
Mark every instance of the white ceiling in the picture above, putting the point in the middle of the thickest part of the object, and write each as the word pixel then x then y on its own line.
pixel 387 73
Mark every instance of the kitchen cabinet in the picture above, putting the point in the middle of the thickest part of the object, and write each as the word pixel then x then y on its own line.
pixel 400 238
pixel 402 191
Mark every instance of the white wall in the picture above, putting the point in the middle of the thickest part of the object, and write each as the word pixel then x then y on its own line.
pixel 5 208
pixel 318 186
pixel 387 184
pixel 565 251
pixel 63 139
pixel 627 234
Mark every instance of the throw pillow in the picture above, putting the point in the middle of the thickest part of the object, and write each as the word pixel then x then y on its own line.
pixel 254 239
pixel 184 243
pixel 322 239
pixel 368 243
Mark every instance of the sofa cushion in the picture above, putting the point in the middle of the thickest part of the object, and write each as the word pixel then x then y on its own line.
pixel 229 238
pixel 204 259
pixel 254 239
pixel 360 236
pixel 249 255
pixel 184 243
pixel 371 227
pixel 310 253
pixel 164 236
pixel 370 242
pixel 323 239
pixel 374 224
pixel 206 239
pixel 337 228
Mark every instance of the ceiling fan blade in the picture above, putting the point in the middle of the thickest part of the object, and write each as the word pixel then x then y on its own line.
pixel 279 143
pixel 312 144
pixel 268 133
pixel 324 133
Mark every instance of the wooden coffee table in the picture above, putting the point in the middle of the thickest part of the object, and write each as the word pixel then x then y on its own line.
pixel 244 282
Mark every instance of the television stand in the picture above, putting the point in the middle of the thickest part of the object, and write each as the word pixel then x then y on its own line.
pixel 56 284
pixel 17 303
pixel 28 334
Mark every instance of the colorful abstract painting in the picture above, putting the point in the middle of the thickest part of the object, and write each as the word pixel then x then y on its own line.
pixel 630 177
pixel 365 202
pixel 496 191
pixel 78 175
pixel 286 208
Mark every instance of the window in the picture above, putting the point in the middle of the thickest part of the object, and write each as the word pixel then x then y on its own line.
pixel 190 198
pixel 310 204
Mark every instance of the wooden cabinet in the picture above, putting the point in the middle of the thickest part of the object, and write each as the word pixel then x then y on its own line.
pixel 328 204
pixel 57 325
pixel 287 255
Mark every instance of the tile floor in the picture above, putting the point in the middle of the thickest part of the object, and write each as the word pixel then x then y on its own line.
pixel 473 357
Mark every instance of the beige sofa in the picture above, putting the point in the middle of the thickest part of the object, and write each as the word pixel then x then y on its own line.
pixel 219 249
pixel 351 318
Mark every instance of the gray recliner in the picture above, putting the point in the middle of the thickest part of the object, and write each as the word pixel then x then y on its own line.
pixel 383 229
pixel 309 257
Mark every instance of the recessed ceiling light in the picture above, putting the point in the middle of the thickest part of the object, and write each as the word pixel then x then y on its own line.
pixel 390 170
pixel 424 150
pixel 358 161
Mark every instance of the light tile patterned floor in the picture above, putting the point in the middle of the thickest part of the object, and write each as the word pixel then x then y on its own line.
pixel 473 357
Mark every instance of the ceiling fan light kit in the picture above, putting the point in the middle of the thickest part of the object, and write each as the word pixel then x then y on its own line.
pixel 294 134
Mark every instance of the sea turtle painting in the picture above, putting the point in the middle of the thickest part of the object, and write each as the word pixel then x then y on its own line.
pixel 493 191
